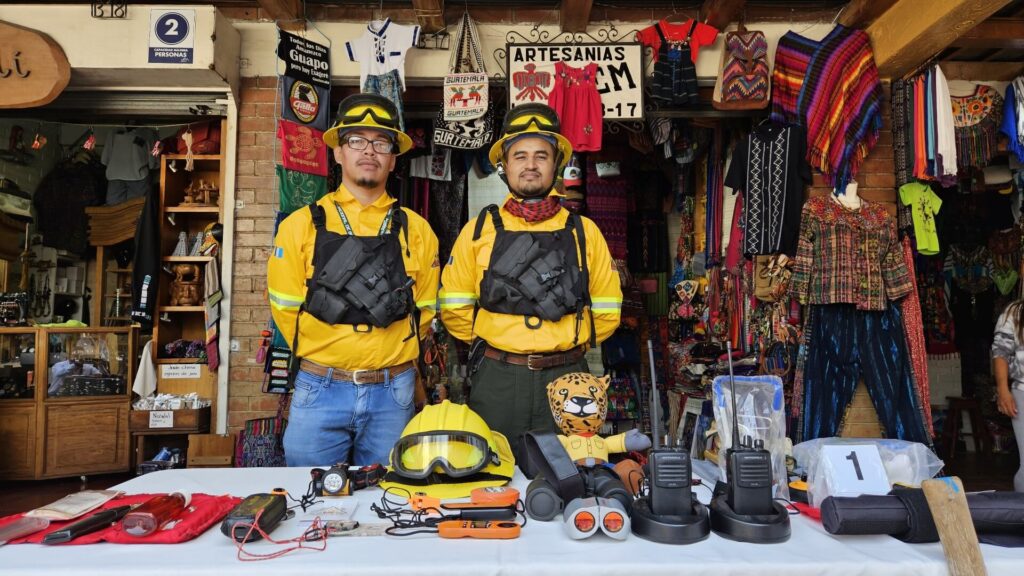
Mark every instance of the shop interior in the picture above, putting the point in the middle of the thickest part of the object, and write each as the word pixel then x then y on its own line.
pixel 79 178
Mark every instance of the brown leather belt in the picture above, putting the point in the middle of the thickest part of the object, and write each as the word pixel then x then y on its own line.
pixel 356 376
pixel 536 361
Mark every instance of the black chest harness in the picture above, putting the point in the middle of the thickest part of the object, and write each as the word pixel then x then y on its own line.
pixel 537 274
pixel 359 280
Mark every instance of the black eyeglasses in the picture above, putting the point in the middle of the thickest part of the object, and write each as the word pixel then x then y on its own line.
pixel 379 146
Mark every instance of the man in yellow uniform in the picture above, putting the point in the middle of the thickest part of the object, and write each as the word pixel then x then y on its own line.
pixel 516 287
pixel 353 281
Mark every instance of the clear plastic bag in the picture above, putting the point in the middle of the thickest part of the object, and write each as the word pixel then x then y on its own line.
pixel 761 417
pixel 905 462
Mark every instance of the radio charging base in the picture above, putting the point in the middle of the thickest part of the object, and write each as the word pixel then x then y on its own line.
pixel 757 529
pixel 668 528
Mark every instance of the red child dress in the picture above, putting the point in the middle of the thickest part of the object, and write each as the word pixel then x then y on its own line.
pixel 578 105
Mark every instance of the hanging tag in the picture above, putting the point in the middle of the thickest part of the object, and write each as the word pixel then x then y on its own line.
pixel 38 142
pixel 158 148
pixel 90 142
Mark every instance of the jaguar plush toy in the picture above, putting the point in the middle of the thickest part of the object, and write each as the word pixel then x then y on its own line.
pixel 579 405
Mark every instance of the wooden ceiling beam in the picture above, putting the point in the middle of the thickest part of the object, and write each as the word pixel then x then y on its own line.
pixel 994 33
pixel 574 15
pixel 429 15
pixel 720 13
pixel 912 31
pixel 287 13
pixel 860 13
pixel 987 71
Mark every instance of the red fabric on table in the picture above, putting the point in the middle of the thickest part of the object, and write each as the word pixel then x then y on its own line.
pixel 202 512
pixel 808 510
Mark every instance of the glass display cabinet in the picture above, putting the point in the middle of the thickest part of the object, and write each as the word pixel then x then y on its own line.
pixel 65 394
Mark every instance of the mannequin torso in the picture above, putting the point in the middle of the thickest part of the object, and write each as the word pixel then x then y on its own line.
pixel 848 198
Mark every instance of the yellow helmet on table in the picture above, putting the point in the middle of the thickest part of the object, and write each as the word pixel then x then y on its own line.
pixel 446 451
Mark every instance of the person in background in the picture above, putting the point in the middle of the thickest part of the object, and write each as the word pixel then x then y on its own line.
pixel 1008 368
pixel 515 285
pixel 353 283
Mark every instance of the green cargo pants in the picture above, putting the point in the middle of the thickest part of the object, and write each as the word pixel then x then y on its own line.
pixel 513 399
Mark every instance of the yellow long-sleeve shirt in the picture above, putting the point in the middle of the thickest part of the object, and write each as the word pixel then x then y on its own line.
pixel 593 449
pixel 340 346
pixel 465 269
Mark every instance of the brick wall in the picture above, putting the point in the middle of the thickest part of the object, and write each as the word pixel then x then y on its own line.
pixel 254 225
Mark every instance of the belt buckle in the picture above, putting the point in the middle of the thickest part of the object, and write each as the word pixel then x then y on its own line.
pixel 529 361
pixel 355 376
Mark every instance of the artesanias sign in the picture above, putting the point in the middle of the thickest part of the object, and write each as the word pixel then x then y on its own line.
pixel 33 68
pixel 531 74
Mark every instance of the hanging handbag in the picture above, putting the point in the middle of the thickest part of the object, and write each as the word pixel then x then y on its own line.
pixel 771 279
pixel 745 77
pixel 466 84
pixel 467 132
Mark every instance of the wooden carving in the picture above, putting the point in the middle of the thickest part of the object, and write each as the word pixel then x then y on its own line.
pixel 33 68
pixel 186 288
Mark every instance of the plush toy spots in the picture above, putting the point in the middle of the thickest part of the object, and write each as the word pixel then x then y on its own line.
pixel 579 402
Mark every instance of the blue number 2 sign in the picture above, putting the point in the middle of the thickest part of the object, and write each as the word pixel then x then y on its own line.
pixel 172 28
pixel 172 36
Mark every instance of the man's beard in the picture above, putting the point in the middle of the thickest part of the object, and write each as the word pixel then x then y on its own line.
pixel 367 182
pixel 532 190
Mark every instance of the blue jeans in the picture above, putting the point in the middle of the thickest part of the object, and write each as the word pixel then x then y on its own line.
pixel 333 421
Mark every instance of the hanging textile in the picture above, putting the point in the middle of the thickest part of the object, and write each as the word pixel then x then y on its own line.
pixel 791 57
pixel 770 167
pixel 298 189
pixel 607 205
pixel 841 76
pixel 977 119
pixel 447 206
pixel 713 216
pixel 1013 116
pixel 900 126
pixel 914 330
pixel 578 104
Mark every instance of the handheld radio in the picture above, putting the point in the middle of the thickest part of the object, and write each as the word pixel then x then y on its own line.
pixel 669 483
pixel 748 465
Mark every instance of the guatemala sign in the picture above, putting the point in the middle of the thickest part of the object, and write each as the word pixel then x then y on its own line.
pixel 531 73
pixel 305 86
pixel 33 68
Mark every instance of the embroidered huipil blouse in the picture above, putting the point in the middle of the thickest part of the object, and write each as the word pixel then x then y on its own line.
pixel 848 256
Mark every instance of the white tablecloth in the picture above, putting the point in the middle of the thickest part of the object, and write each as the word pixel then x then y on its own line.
pixel 543 549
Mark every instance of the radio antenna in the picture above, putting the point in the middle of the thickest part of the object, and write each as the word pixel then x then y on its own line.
pixel 654 399
pixel 732 385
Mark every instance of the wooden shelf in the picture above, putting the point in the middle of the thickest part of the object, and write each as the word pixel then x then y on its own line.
pixel 194 156
pixel 180 361
pixel 119 270
pixel 196 259
pixel 182 309
pixel 215 210
pixel 73 294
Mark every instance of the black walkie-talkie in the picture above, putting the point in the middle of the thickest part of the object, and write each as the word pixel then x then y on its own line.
pixel 748 466
pixel 669 481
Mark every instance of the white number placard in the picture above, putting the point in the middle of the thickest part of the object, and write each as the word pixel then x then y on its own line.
pixel 854 469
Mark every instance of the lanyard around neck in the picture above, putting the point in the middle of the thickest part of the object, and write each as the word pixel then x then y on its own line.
pixel 348 227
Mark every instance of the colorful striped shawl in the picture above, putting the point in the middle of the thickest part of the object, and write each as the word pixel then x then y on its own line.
pixel 791 57
pixel 841 103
